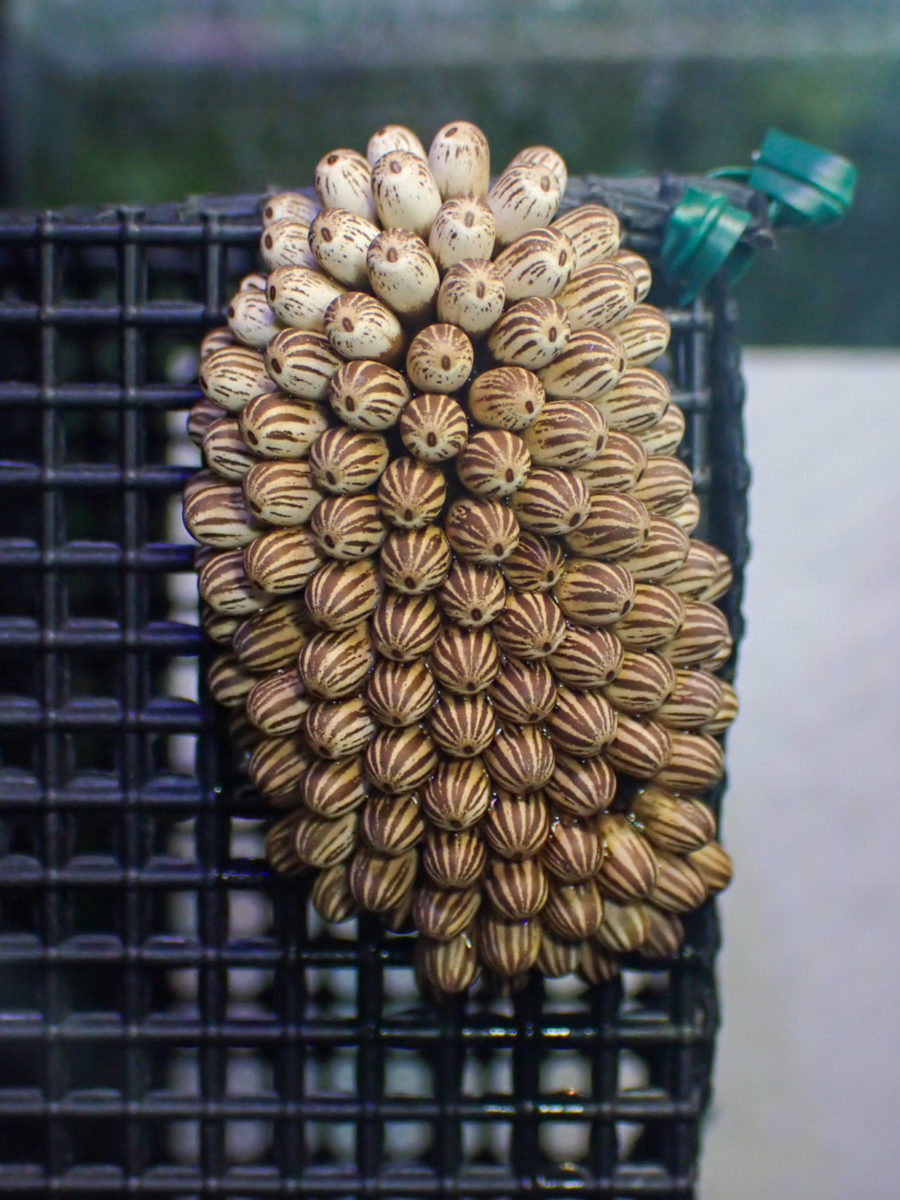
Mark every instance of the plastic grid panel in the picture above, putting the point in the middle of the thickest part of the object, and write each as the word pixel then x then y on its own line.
pixel 170 1025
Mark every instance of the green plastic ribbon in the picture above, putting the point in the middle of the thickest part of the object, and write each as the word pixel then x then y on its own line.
pixel 807 185
pixel 702 236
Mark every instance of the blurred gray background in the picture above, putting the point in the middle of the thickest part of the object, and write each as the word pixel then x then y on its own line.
pixel 114 100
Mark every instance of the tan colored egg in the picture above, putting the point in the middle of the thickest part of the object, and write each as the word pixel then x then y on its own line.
pixel 282 561
pixel 672 822
pixel 556 956
pixel 639 747
pixel 523 692
pixel 663 552
pixel 695 763
pixel 616 525
pixel 433 427
pixel 591 364
pixel 598 297
pixel 340 239
pixel 471 296
pixel 462 726
pixel 343 179
pixel 275 425
pixel 703 632
pixel 442 914
pixel 506 398
pixel 215 339
pixel 664 484
pixel 687 514
pixel 579 786
pixel 411 493
pixel 531 334
pixel 281 493
pixel 460 160
pixel 280 852
pixel 254 282
pixel 300 296
pixel 637 403
pixel 624 927
pixel 403 274
pixel 393 137
pixel 294 206
pixel 645 334
pixel 302 363
pixel 531 626
pixel 229 682
pixel 453 860
pixel 450 967
pixel 331 896
pixel 218 627
pixel 400 760
pixel 463 228
pixel 360 326
pixel 617 467
pixel 629 869
pixel 340 595
pixel 679 887
pixel 574 849
pixel 594 593
pixel 233 375
pixel 639 268
pixel 725 714
pixel 697 575
pixel 596 966
pixel 568 433
pixel 439 358
pixel 225 451
pixel 539 263
pixel 524 197
pixel 243 738
pixel 348 527
pixel 331 789
pixel 520 758
pixel 509 948
pixel 573 911
pixel 224 585
pixel 400 693
pixel 515 888
pixel 516 827
pixel 285 243
pixel 667 434
pixel 347 461
pixel 251 320
pixel 215 515
pixel 458 794
pixel 493 463
pixel 655 616
pixel 368 395
pixel 415 560
pixel 694 701
pixel 544 156
pixel 665 933
pixel 378 882
pixel 200 417
pixel 643 683
pixel 593 230
pixel 404 627
pixel 277 704
pixel 406 194
pixel 535 565
pixel 472 595
pixel 586 658
pixel 391 825
pixel 723 579
pixel 276 766
pixel 551 502
pixel 713 864
pixel 481 531
pixel 338 728
pixel 333 666
pixel 582 723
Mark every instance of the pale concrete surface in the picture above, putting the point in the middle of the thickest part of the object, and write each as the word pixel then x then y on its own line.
pixel 808 1073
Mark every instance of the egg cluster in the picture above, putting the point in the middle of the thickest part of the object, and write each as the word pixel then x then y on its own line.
pixel 470 645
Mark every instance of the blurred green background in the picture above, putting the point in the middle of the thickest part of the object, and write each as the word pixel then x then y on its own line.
pixel 148 100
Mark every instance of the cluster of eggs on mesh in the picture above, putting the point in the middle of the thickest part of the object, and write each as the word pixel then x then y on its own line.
pixel 446 539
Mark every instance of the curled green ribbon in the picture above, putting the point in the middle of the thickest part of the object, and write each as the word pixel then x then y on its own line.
pixel 702 236
pixel 807 185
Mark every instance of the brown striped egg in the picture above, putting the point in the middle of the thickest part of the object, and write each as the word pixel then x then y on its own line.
pixel 330 789
pixel 464 661
pixel 276 766
pixel 277 704
pixel 411 493
pixel 340 239
pixel 218 627
pixel 574 850
pixel 617 467
pixel 294 206
pixel 463 228
pixel 453 860
pixel 228 681
pixel 270 639
pixel 573 910
pixel 543 156
pixel 523 197
pixel 593 230
pixel 400 760
pixel 598 297
pixel 696 574
pixel 664 484
pixel 639 268
pixel 539 263
pixel 214 339
pixel 679 887
pixel 643 683
pixel 415 560
pixel 655 616
pixel 225 451
pixel 713 864
pixel 471 296
pixel 556 957
pixel 281 493
pixel 302 363
pixel 586 658
pixel 400 693
pixel 629 868
pixel 460 160
pixel 282 561
pixel 672 822
pixel 404 627
pixel 665 933
pixel 343 179
pixel 285 243
pixel 403 274
pixel 340 595
pixel 405 192
pixel 509 948
pixel 694 700
pixel 515 888
pixel 300 296
pixel 243 738
pixel 462 726
pixel 250 318
pixel 223 584
pixel 368 395
pixel 568 433
pixel 280 852
pixel 551 502
pixel 595 965
pixel 624 927
pixel 472 595
pixel 458 793
pixel 530 334
pixel 638 402
pixel 535 565
pixel 433 427
pixel 193 486
pixel 379 881
pixel 333 666
pixel 233 375
pixel 523 692
pixel 493 463
pixel 703 632
pixel 667 434
pixel 579 786
pixel 331 896
pixel 442 914
pixel 348 527
pixel 724 577
pixel 439 358
pixel 345 461
pixel 481 531
pixel 687 514
pixel 594 593
pixel 391 825
pixel 663 552
pixel 530 626
pixel 278 426
pixel 644 334
pixel 639 747
pixel 200 416
pixel 582 723
pixel 520 758
pixel 338 728
pixel 215 515
pixel 725 714
pixel 695 763
pixel 516 827
pixel 360 326
pixel 450 967
pixel 615 525
pixel 506 398
pixel 591 364
pixel 393 137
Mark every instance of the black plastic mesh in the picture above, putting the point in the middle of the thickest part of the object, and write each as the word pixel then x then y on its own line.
pixel 171 1022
